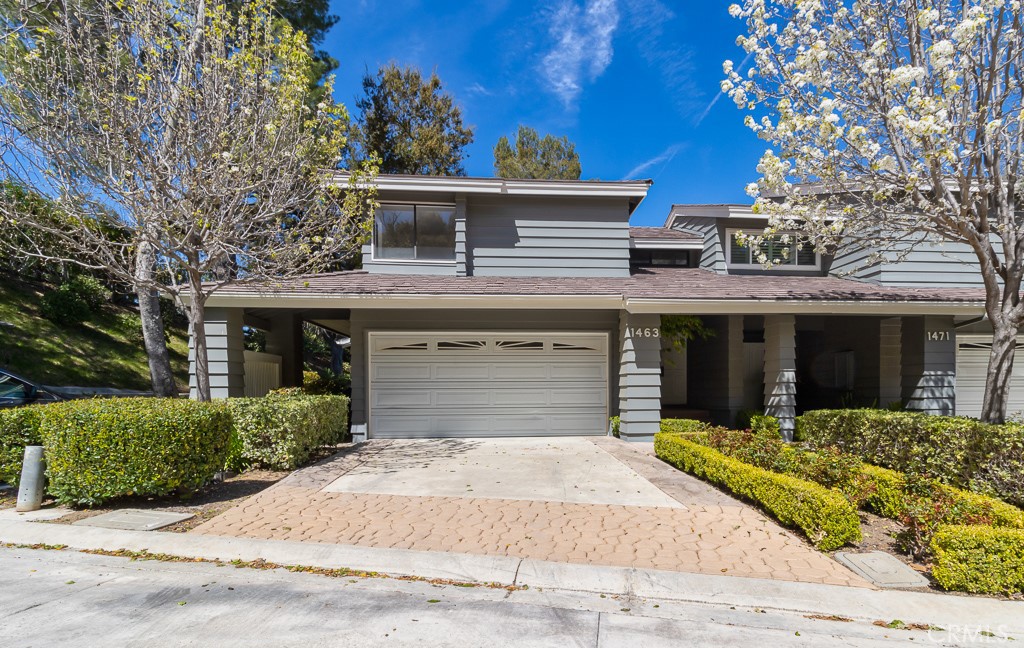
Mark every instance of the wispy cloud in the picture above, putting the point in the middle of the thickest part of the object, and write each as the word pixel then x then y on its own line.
pixel 476 89
pixel 661 49
pixel 583 46
pixel 718 96
pixel 662 158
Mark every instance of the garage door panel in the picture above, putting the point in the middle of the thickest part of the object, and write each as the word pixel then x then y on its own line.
pixel 464 371
pixel 578 372
pixel 406 371
pixel 469 385
pixel 972 371
pixel 510 371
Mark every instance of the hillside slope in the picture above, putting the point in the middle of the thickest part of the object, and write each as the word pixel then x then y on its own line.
pixel 105 351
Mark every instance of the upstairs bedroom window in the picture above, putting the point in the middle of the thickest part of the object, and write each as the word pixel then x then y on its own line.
pixel 414 233
pixel 787 255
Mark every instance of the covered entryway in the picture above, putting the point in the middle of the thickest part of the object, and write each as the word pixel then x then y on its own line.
pixel 972 369
pixel 487 384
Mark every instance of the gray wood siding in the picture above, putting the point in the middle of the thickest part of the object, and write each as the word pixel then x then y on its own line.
pixel 947 265
pixel 712 256
pixel 522 237
pixel 472 320
pixel 852 261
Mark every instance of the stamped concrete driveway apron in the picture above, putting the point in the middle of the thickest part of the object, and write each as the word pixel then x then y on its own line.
pixel 583 500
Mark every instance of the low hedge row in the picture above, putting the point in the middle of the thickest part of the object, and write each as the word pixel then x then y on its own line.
pixel 19 427
pixel 281 432
pixel 685 427
pixel 889 499
pixel 97 450
pixel 825 516
pixel 979 559
pixel 960 451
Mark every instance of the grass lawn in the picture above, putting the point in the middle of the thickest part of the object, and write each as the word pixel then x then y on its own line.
pixel 104 351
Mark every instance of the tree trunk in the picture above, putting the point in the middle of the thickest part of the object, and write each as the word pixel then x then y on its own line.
pixel 197 320
pixel 159 358
pixel 1000 369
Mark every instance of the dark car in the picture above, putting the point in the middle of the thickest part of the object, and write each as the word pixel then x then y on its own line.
pixel 16 391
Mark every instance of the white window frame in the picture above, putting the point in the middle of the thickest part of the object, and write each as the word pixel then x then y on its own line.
pixel 789 267
pixel 373 235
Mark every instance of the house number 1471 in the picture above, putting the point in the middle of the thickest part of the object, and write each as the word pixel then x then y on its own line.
pixel 653 332
pixel 939 336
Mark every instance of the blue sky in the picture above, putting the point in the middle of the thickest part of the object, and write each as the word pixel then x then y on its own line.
pixel 632 82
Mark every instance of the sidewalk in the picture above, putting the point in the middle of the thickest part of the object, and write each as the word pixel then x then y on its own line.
pixel 725 591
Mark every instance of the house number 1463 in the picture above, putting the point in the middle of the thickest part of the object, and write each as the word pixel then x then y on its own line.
pixel 940 336
pixel 644 332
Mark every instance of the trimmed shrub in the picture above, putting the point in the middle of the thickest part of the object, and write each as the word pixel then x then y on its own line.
pixel 765 449
pixel 763 423
pixel 685 426
pixel 97 450
pixel 19 427
pixel 962 452
pixel 825 516
pixel 979 559
pixel 281 432
pixel 63 306
pixel 89 290
pixel 615 422
pixel 890 499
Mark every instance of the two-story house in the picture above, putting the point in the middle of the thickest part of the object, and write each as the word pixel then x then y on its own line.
pixel 491 307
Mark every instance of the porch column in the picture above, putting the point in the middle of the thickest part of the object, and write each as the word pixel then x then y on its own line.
pixel 890 370
pixel 285 339
pixel 780 371
pixel 929 364
pixel 639 376
pixel 225 346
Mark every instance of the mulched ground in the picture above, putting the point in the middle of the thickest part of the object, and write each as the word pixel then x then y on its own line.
pixel 211 501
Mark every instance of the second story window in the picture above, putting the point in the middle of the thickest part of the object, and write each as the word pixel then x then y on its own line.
pixel 414 232
pixel 784 254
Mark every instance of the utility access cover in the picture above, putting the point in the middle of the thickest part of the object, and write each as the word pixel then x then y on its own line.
pixel 135 520
pixel 882 569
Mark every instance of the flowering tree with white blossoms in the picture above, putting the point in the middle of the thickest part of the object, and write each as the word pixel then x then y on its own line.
pixel 177 140
pixel 894 123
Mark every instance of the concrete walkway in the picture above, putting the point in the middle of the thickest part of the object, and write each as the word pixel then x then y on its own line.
pixel 581 501
pixel 558 583
pixel 63 598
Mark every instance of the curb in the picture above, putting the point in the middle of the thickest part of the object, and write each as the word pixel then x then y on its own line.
pixel 869 605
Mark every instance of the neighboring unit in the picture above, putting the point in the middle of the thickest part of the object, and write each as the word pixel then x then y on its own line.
pixel 491 307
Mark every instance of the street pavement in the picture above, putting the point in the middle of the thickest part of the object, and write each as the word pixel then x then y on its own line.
pixel 68 598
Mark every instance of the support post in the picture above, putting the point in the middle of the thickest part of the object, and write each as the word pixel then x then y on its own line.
pixel 285 339
pixel 639 376
pixel 929 364
pixel 780 371
pixel 225 345
pixel 890 369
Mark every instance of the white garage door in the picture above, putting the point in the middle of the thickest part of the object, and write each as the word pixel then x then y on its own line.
pixel 972 369
pixel 487 384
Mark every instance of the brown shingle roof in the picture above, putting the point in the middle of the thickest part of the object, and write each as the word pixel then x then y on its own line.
pixel 644 283
pixel 663 233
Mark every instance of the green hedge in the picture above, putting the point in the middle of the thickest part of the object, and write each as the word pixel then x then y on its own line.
pixel 19 427
pixel 281 432
pixel 825 516
pixel 980 559
pixel 97 450
pixel 685 426
pixel 890 497
pixel 960 451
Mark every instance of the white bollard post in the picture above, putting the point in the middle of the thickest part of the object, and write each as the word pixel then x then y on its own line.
pixel 30 488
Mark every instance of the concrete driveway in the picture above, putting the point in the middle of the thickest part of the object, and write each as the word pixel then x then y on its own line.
pixel 590 500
